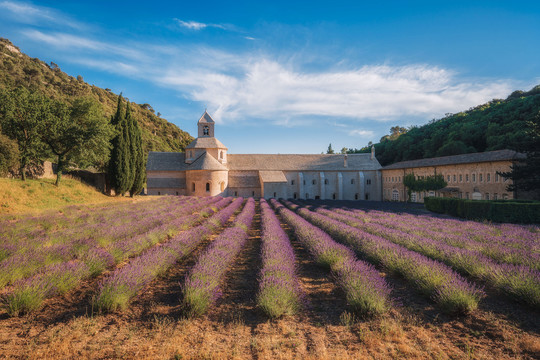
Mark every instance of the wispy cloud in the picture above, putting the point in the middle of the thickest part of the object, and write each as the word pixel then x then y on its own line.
pixel 32 14
pixel 361 133
pixel 194 25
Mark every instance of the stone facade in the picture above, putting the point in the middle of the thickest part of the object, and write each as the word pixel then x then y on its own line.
pixel 468 176
pixel 206 169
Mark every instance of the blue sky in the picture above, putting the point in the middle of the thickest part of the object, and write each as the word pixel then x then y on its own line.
pixel 289 77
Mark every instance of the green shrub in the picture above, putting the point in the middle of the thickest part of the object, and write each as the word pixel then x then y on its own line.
pixel 9 155
pixel 511 211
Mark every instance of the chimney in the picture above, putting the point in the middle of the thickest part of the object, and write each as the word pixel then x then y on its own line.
pixel 372 152
pixel 345 161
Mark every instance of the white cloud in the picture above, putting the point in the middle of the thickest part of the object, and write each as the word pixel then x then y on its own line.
pixel 194 25
pixel 33 14
pixel 244 86
pixel 362 133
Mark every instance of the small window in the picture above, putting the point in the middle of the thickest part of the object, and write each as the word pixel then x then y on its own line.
pixel 236 193
pixel 460 178
pixel 253 193
pixel 177 193
pixel 496 177
pixel 307 196
pixel 495 196
pixel 317 197
pixel 334 196
pixel 367 196
pixel 193 187
pixel 356 196
pixel 448 178
pixel 313 182
pixel 325 181
pixel 159 192
pixel 395 195
pixel 368 182
pixel 292 182
pixel 480 178
pixel 487 196
pixel 467 178
pixel 304 182
pixel 275 195
pixel 205 130
pixel 467 195
pixel 207 187
pixel 295 196
pixel 488 177
pixel 352 181
pixel 221 154
pixel 454 178
pixel 473 177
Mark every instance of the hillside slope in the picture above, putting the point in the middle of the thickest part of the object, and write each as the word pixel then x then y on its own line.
pixel 498 124
pixel 18 69
pixel 37 195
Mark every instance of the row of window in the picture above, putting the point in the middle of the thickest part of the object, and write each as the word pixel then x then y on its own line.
pixel 454 178
pixel 326 182
pixel 334 196
pixel 208 185
pixel 418 196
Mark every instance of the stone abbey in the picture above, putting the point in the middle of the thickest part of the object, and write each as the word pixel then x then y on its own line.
pixel 207 169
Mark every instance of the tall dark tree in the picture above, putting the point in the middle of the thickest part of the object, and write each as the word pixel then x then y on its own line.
pixel 21 112
pixel 132 154
pixel 139 163
pixel 525 175
pixel 330 150
pixel 119 172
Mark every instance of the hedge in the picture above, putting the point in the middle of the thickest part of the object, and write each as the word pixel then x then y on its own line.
pixel 511 211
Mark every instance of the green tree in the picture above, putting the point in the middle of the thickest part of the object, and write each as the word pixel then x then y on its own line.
pixel 9 155
pixel 21 112
pixel 330 150
pixel 79 133
pixel 139 163
pixel 525 175
pixel 119 163
pixel 428 183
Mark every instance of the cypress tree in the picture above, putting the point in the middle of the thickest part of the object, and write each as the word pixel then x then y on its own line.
pixel 140 169
pixel 119 164
pixel 131 148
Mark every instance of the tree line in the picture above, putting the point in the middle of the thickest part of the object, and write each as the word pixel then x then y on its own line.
pixel 34 127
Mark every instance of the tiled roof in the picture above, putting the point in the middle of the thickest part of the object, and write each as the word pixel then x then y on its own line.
pixel 166 161
pixel 499 155
pixel 206 143
pixel 166 183
pixel 272 177
pixel 206 162
pixel 301 162
pixel 244 181
pixel 206 118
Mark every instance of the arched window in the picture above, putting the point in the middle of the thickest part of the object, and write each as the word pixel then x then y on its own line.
pixel 356 196
pixel 193 187
pixel 292 182
pixel 307 196
pixel 205 130
pixel 295 196
pixel 222 186
pixel 325 181
pixel 275 195
pixel 352 181
pixel 177 193
pixel 395 195
pixel 314 181
pixel 367 196
pixel 334 196
pixel 236 193
pixel 207 187
pixel 159 192
pixel 221 154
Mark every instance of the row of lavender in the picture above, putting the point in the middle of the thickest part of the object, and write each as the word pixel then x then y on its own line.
pixel 366 290
pixel 30 255
pixel 520 281
pixel 117 289
pixel 202 285
pixel 28 294
pixel 521 246
pixel 279 289
pixel 447 288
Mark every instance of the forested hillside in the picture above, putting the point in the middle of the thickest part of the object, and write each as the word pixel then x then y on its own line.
pixel 498 124
pixel 18 69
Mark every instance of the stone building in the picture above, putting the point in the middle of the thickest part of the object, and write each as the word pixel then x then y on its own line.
pixel 207 169
pixel 469 176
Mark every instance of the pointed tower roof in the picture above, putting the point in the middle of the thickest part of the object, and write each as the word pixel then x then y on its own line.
pixel 206 162
pixel 206 118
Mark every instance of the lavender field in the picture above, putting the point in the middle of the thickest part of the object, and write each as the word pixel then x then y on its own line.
pixel 218 266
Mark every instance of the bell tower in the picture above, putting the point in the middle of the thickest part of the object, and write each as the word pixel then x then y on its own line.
pixel 206 125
